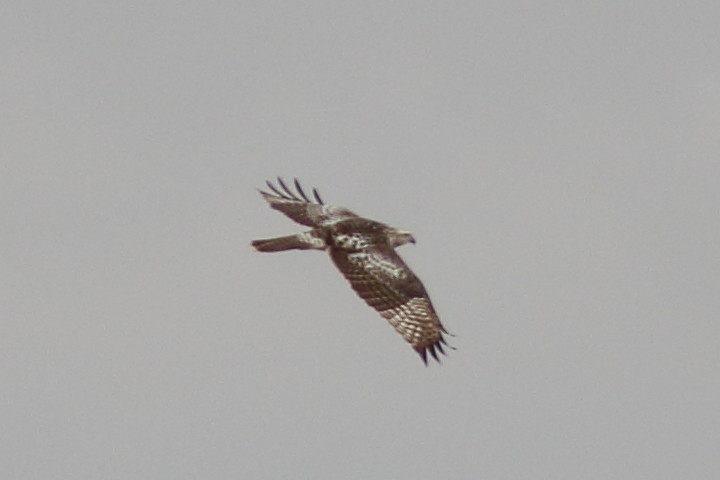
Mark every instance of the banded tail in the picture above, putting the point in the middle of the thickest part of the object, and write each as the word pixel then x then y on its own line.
pixel 303 241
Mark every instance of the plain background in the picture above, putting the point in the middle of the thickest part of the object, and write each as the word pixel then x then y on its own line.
pixel 557 162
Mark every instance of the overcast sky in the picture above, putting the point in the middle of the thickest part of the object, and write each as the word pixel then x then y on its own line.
pixel 558 163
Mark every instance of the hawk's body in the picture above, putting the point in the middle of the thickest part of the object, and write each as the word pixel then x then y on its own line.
pixel 364 252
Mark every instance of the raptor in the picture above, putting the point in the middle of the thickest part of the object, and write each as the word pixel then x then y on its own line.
pixel 364 252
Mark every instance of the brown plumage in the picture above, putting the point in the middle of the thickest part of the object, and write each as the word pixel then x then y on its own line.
pixel 364 252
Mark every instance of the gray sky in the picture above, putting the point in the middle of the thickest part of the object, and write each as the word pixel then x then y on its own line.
pixel 557 162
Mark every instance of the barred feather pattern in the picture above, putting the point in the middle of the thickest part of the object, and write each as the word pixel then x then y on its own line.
pixel 383 280
pixel 303 241
pixel 364 252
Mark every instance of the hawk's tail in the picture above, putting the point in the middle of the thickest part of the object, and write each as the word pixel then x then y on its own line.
pixel 304 241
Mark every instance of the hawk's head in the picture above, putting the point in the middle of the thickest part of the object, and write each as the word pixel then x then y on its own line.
pixel 399 237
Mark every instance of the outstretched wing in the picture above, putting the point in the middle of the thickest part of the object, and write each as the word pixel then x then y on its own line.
pixel 300 208
pixel 386 283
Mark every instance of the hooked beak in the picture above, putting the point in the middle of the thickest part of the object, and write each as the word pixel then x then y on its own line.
pixel 406 237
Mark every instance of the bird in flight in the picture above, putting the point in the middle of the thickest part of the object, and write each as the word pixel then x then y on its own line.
pixel 364 252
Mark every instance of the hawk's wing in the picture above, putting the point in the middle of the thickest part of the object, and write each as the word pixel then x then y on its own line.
pixel 300 208
pixel 386 283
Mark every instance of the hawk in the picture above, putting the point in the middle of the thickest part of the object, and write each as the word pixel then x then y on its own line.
pixel 364 252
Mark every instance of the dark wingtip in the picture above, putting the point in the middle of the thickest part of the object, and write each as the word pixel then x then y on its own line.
pixel 423 354
pixel 283 191
pixel 300 191
pixel 287 190
pixel 442 340
pixel 433 348
pixel 433 352
pixel 274 189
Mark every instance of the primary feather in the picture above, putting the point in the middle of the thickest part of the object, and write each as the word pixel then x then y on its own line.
pixel 364 252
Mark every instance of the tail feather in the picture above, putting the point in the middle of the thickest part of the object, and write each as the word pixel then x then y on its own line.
pixel 303 241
